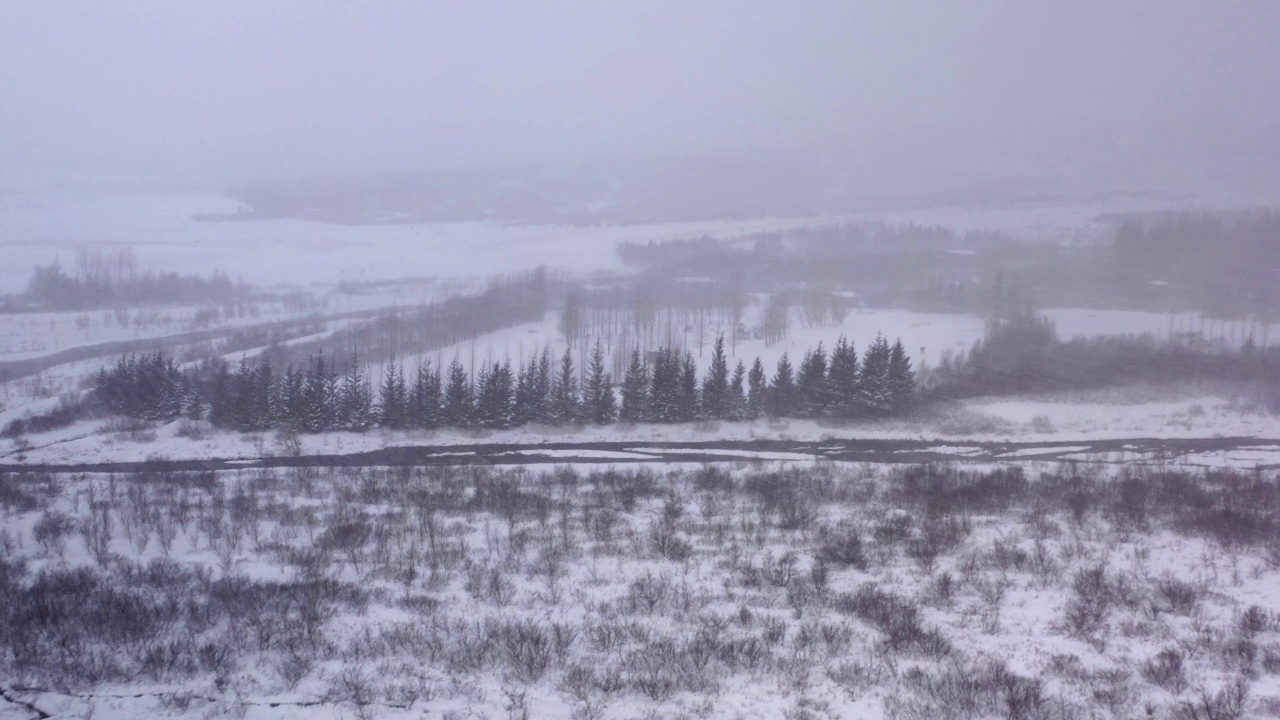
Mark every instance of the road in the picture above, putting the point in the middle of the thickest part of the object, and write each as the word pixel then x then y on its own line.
pixel 1265 453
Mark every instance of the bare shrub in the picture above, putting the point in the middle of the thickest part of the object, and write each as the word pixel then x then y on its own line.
pixel 1227 703
pixel 52 530
pixel 1166 670
pixel 843 547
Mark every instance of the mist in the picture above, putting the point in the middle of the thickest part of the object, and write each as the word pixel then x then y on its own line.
pixel 899 97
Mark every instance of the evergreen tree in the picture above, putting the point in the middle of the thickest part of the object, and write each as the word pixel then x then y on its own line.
pixel 355 398
pixel 218 393
pixel 458 402
pixel 811 384
pixel 522 412
pixel 900 378
pixel 495 403
pixel 292 402
pixel 320 395
pixel 842 380
pixel 599 404
pixel 664 392
pixel 244 396
pixel 541 389
pixel 264 394
pixel 635 390
pixel 757 390
pixel 715 388
pixel 565 403
pixel 425 398
pixel 393 398
pixel 737 400
pixel 782 392
pixel 687 400
pixel 873 384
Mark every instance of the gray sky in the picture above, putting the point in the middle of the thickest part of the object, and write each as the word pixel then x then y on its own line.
pixel 1158 92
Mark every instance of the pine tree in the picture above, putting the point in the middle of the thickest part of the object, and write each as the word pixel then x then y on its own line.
pixel 687 406
pixel 782 392
pixel 565 404
pixel 320 393
pixel 458 403
pixel 542 387
pixel 425 398
pixel 244 391
pixel 635 390
pixel 811 384
pixel 873 384
pixel 842 380
pixel 599 404
pixel 664 392
pixel 292 401
pixel 737 400
pixel 495 403
pixel 393 398
pixel 264 391
pixel 355 398
pixel 757 390
pixel 715 388
pixel 901 380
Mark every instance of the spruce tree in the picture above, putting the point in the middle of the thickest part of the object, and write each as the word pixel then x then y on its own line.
pixel 715 388
pixel 292 401
pixel 687 406
pixel 599 404
pixel 458 404
pixel 757 390
pixel 425 398
pixel 842 380
pixel 244 396
pixel 320 393
pixel 664 392
pixel 737 400
pixel 782 392
pixel 495 402
pixel 540 391
pixel 264 387
pixel 355 398
pixel 873 383
pixel 811 384
pixel 900 378
pixel 635 390
pixel 393 398
pixel 565 404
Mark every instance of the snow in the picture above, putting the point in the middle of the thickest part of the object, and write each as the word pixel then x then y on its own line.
pixel 164 236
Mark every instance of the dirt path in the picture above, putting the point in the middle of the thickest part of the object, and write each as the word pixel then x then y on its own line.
pixel 1148 450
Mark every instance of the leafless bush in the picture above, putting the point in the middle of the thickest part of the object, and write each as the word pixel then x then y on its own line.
pixel 1227 703
pixel 1166 670
pixel 52 531
pixel 1177 596
pixel 843 547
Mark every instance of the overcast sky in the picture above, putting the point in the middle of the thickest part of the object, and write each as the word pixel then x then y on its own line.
pixel 1114 92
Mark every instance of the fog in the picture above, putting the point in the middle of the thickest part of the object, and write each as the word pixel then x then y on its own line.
pixel 901 95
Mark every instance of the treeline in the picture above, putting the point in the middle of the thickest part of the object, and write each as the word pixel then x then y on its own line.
pixel 1222 263
pixel 664 387
pixel 52 288
pixel 1024 354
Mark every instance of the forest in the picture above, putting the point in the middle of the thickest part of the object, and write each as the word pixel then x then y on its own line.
pixel 323 396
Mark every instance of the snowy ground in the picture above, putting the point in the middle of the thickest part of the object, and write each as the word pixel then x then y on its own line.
pixel 769 590
pixel 1136 412
pixel 35 226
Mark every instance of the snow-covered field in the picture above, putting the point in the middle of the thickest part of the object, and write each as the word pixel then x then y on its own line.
pixel 36 226
pixel 761 590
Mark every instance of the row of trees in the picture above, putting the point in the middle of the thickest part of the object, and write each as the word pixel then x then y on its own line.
pixel 663 387
pixel 52 288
